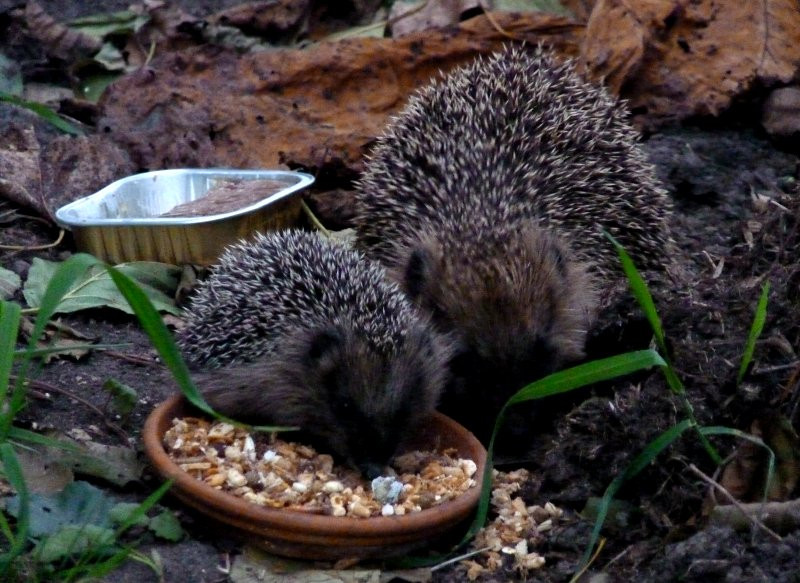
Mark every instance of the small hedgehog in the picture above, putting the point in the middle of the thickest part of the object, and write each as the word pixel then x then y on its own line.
pixel 486 199
pixel 293 330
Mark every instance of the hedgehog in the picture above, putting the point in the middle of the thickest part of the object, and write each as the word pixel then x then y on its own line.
pixel 486 198
pixel 294 330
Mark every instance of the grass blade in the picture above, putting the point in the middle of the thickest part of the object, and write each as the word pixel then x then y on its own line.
pixel 641 461
pixel 755 331
pixel 588 373
pixel 162 341
pixel 160 337
pixel 90 565
pixel 559 382
pixel 59 284
pixel 9 328
pixel 13 473
pixel 66 349
pixel 42 111
pixel 23 436
pixel 716 430
pixel 642 294
pixel 144 507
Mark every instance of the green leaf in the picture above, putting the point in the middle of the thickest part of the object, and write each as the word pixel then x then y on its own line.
pixel 9 328
pixel 96 289
pixel 116 464
pixel 127 511
pixel 144 507
pixel 42 111
pixel 642 294
pixel 550 6
pixel 90 567
pixel 125 397
pixel 755 331
pixel 74 539
pixel 99 26
pixel 588 373
pixel 166 526
pixel 9 283
pixel 13 473
pixel 23 435
pixel 78 503
pixel 70 349
pixel 92 87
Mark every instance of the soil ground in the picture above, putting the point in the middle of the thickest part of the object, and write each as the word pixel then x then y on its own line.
pixel 737 215
pixel 713 175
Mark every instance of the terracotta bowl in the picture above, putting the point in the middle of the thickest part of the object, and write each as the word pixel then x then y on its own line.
pixel 295 534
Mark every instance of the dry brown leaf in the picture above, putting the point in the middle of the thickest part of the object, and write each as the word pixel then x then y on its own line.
pixel 76 166
pixel 269 18
pixel 744 476
pixel 67 168
pixel 58 39
pixel 313 107
pixel 20 175
pixel 60 335
pixel 581 9
pixel 673 59
pixel 408 17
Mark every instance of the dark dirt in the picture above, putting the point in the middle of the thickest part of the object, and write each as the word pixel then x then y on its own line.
pixel 737 225
pixel 713 175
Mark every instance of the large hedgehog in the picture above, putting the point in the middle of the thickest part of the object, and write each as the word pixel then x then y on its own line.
pixel 293 330
pixel 486 198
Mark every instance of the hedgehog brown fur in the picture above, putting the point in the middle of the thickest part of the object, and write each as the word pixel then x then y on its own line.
pixel 486 198
pixel 294 330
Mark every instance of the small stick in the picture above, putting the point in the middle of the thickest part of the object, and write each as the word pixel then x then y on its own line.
pixel 460 558
pixel 140 360
pixel 36 247
pixel 753 520
pixel 41 385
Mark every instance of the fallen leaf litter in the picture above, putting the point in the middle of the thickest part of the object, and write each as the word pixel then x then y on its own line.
pixel 281 474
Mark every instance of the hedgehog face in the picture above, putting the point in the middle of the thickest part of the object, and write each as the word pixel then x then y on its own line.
pixel 348 398
pixel 370 401
pixel 519 307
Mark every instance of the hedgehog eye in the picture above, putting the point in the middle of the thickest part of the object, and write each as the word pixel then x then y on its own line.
pixel 464 364
pixel 343 407
pixel 416 273
pixel 322 343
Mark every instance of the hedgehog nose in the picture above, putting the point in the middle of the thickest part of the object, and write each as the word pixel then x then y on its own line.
pixel 370 470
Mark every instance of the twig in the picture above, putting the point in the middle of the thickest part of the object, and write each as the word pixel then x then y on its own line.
pixel 36 247
pixel 487 11
pixel 460 558
pixel 140 360
pixel 600 545
pixel 722 490
pixel 314 220
pixel 54 389
pixel 407 13
pixel 776 368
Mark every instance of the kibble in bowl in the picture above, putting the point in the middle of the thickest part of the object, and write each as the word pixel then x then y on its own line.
pixel 301 507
